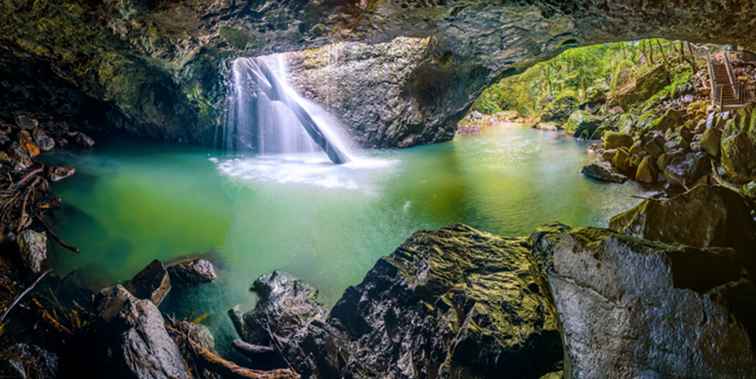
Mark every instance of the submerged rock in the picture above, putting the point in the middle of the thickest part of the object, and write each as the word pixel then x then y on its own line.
pixel 33 248
pixel 28 361
pixel 152 283
pixel 58 173
pixel 603 171
pixel 451 303
pixel 191 272
pixel 134 338
pixel 633 308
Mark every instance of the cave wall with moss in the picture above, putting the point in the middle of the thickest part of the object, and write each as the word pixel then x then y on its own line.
pixel 157 68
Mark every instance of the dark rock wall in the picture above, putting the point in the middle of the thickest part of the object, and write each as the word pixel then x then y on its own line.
pixel 158 67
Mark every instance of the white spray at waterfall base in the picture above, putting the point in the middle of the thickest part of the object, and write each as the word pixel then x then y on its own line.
pixel 295 140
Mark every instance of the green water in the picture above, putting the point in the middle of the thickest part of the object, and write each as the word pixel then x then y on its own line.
pixel 130 203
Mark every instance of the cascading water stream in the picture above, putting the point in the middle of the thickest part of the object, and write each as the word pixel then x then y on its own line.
pixel 267 115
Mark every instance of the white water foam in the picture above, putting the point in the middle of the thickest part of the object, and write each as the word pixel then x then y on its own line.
pixel 305 169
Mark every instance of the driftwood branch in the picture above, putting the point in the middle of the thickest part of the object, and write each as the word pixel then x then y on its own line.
pixel 55 237
pixel 251 350
pixel 22 294
pixel 228 369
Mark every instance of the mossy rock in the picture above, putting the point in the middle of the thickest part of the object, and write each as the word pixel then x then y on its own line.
pixel 670 119
pixel 614 140
pixel 738 147
pixel 621 161
pixel 646 172
pixel 582 124
pixel 711 140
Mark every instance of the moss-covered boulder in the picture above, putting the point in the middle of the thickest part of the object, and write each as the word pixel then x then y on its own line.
pixel 710 141
pixel 643 88
pixel 452 303
pixel 582 124
pixel 684 169
pixel 646 172
pixel 738 146
pixel 705 216
pixel 614 140
pixel 622 162
pixel 672 118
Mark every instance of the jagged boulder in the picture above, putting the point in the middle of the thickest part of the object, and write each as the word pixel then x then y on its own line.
pixel 646 172
pixel 633 308
pixel 451 303
pixel 582 124
pixel 615 140
pixel 22 361
pixel 684 169
pixel 191 272
pixel 738 147
pixel 33 248
pixel 710 141
pixel 705 216
pixel 288 319
pixel 152 283
pixel 133 339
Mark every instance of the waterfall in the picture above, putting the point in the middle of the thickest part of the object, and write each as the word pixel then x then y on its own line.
pixel 267 115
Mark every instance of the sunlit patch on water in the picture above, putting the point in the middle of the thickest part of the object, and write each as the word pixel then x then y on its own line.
pixel 305 169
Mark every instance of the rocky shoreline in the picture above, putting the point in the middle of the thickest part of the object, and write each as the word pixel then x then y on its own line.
pixel 667 290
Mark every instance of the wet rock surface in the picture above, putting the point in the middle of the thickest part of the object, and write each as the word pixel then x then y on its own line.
pixel 290 322
pixel 134 337
pixel 635 308
pixel 366 87
pixel 158 68
pixel 451 303
pixel 152 283
pixel 705 216
pixel 456 302
pixel 24 361
pixel 191 272
pixel 33 248
pixel 603 171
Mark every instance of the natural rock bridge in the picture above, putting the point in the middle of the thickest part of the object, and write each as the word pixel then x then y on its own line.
pixel 157 68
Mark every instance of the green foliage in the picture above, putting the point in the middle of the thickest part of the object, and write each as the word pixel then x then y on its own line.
pixel 581 73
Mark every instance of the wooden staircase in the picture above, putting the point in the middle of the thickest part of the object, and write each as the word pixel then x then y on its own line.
pixel 727 92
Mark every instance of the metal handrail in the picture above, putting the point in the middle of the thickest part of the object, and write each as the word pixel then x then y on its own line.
pixel 730 74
